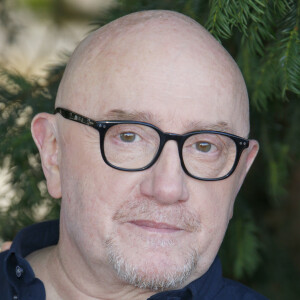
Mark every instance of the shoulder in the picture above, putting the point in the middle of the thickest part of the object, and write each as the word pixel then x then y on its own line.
pixel 4 286
pixel 27 241
pixel 234 290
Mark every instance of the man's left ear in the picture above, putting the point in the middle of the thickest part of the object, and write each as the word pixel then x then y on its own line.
pixel 251 153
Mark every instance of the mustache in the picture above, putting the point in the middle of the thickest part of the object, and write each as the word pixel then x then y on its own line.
pixel 144 209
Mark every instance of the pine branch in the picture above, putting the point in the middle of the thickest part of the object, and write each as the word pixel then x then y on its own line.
pixel 218 24
pixel 264 83
pixel 240 249
pixel 289 51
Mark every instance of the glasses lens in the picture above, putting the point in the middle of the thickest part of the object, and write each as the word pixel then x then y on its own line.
pixel 209 155
pixel 131 146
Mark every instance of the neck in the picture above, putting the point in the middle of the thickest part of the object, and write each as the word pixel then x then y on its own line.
pixel 66 276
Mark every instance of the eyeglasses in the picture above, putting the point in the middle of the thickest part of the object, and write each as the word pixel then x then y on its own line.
pixel 136 146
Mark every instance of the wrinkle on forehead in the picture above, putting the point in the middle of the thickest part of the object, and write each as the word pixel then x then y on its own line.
pixel 135 41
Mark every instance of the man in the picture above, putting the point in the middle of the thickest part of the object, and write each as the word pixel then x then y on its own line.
pixel 147 193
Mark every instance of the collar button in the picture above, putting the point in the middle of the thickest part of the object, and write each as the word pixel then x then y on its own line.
pixel 19 271
pixel 15 297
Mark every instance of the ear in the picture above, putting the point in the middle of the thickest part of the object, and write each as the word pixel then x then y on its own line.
pixel 250 153
pixel 43 129
pixel 247 160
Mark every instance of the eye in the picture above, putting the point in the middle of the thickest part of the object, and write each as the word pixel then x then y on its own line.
pixel 129 137
pixel 203 146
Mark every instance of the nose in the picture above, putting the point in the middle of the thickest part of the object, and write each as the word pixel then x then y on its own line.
pixel 165 181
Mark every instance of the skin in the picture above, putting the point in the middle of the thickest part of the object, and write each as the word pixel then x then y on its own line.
pixel 5 246
pixel 163 68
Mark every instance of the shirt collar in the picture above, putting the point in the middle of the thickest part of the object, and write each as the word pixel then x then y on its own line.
pixel 17 270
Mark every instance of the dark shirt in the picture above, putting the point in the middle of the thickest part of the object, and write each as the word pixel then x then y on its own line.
pixel 18 282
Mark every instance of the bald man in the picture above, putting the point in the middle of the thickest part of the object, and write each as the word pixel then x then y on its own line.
pixel 147 148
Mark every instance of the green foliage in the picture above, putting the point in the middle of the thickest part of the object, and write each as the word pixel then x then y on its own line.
pixel 240 250
pixel 263 36
pixel 38 4
pixel 20 100
pixel 252 18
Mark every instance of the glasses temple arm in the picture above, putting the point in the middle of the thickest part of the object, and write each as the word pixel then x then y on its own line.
pixel 68 114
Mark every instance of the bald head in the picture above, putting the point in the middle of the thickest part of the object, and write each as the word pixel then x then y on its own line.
pixel 160 45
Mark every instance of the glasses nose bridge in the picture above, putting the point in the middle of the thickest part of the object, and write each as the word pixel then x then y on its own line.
pixel 168 136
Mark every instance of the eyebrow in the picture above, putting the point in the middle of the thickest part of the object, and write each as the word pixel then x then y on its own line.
pixel 219 126
pixel 148 117
pixel 119 114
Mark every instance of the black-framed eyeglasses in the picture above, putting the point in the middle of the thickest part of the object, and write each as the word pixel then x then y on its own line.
pixel 135 146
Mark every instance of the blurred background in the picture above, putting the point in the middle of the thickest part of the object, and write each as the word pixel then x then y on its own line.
pixel 262 246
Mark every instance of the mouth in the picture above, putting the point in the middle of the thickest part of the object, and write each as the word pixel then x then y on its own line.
pixel 153 226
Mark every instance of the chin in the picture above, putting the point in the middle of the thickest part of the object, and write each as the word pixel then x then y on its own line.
pixel 155 268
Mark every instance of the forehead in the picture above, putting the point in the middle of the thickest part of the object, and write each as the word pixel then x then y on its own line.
pixel 177 80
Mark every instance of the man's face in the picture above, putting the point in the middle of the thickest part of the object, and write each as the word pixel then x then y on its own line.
pixel 157 228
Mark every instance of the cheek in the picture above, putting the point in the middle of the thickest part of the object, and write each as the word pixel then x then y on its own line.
pixel 82 183
pixel 214 205
pixel 91 191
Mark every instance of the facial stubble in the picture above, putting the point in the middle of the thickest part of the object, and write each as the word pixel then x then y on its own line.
pixel 147 276
pixel 143 272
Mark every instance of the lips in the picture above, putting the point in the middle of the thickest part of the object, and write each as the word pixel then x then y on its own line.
pixel 155 226
pixel 145 214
